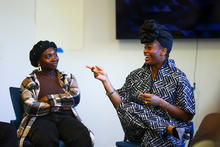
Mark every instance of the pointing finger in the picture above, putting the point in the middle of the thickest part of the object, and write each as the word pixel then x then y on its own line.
pixel 90 67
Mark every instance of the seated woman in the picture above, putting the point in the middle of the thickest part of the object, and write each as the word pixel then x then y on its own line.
pixel 49 98
pixel 156 102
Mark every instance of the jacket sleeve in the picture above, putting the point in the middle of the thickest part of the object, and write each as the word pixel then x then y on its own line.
pixel 32 107
pixel 185 97
pixel 125 90
pixel 73 89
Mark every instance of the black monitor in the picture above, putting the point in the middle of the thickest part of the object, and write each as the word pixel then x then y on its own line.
pixel 184 18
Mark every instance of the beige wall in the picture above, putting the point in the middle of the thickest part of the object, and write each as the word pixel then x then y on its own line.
pixel 100 47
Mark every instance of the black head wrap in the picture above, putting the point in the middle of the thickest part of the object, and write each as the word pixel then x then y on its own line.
pixel 151 31
pixel 38 49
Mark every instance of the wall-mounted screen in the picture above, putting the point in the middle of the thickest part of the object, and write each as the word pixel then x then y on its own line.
pixel 184 18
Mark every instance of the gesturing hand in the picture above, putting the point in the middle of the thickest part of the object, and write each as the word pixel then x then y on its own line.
pixel 99 72
pixel 150 99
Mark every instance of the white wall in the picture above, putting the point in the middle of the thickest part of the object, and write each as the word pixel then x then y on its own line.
pixel 100 48
pixel 16 39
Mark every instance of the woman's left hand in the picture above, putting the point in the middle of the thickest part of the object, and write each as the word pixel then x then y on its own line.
pixel 150 99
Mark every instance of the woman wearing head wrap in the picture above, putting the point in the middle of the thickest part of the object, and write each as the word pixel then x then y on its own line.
pixel 49 98
pixel 156 102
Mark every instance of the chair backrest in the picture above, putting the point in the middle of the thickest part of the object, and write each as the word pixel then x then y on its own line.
pixel 17 103
pixel 15 94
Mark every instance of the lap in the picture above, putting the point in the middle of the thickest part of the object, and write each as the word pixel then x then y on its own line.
pixel 71 127
pixel 145 124
pixel 57 125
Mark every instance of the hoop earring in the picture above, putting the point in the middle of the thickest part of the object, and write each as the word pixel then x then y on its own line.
pixel 39 67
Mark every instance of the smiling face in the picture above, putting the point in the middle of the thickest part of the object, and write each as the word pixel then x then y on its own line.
pixel 154 53
pixel 49 59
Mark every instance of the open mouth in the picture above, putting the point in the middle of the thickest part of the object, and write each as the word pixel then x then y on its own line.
pixel 147 58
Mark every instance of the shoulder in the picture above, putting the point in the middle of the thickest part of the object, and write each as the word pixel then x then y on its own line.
pixel 179 76
pixel 175 71
pixel 138 71
pixel 29 81
pixel 137 74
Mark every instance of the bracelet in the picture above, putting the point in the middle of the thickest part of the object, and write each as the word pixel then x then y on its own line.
pixel 110 93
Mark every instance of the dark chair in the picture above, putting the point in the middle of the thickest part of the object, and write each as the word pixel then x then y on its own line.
pixel 127 143
pixel 17 103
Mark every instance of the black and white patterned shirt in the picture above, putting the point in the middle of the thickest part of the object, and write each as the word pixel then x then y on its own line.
pixel 147 123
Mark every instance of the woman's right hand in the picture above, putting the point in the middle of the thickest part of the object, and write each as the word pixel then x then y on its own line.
pixel 43 99
pixel 99 72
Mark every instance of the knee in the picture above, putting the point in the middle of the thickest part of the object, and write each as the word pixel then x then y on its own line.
pixel 43 137
pixel 82 135
pixel 81 139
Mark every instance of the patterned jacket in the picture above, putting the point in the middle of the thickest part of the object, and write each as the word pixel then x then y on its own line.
pixel 30 88
pixel 147 123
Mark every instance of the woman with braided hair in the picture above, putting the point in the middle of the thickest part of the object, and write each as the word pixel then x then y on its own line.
pixel 156 102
